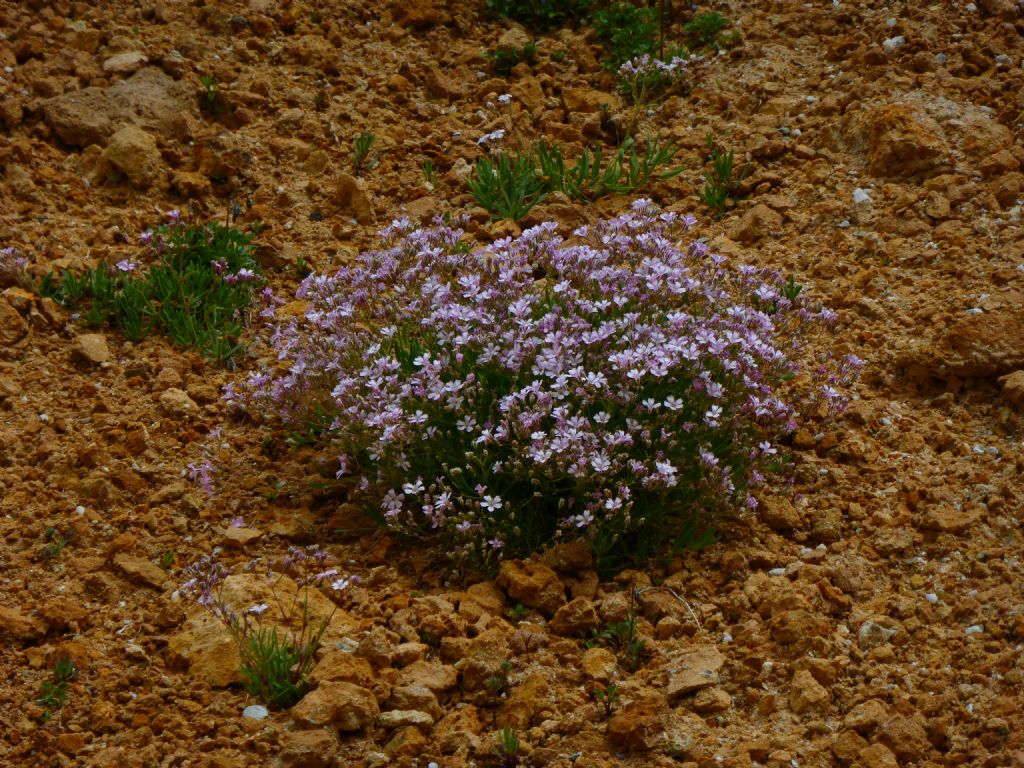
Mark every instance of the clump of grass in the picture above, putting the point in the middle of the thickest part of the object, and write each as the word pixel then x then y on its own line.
pixel 53 693
pixel 503 59
pixel 361 152
pixel 541 14
pixel 197 290
pixel 722 181
pixel 57 541
pixel 509 187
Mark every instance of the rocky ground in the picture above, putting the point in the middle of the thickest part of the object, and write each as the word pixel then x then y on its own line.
pixel 872 615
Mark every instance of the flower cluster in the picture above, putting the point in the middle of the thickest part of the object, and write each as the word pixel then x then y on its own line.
pixel 13 268
pixel 619 387
pixel 276 657
pixel 646 78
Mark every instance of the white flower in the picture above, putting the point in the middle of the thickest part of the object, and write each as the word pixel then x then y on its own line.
pixel 492 503
pixel 258 609
pixel 414 489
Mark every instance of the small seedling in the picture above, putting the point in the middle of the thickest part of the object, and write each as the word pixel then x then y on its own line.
pixel 558 56
pixel 622 638
pixel 608 697
pixel 518 613
pixel 503 59
pixel 705 29
pixel 210 94
pixel 53 694
pixel 508 748
pixel 361 151
pixel 57 541
pixel 721 184
pixel 166 560
pixel 498 684
pixel 430 173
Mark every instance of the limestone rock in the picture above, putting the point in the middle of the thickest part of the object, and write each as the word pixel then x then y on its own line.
pixel 176 402
pixel 984 345
pixel 140 570
pixel 847 746
pixel 420 14
pixel 1013 388
pixel 866 717
pixel 149 99
pixel 1006 9
pixel 694 669
pixel 526 700
pixel 92 347
pixel 399 718
pixel 415 697
pixel 206 648
pixel 134 152
pixel 307 749
pixel 899 141
pixel 799 624
pixel 18 626
pixel 873 634
pixel 950 519
pixel 125 63
pixel 906 736
pixel 754 224
pixel 339 666
pixel 353 198
pixel 878 756
pixel 779 513
pixel 640 725
pixel 575 618
pixel 588 100
pixel 710 701
pixel 433 675
pixel 806 693
pixel 240 537
pixel 599 664
pixel 346 706
pixel 13 327
pixel 533 584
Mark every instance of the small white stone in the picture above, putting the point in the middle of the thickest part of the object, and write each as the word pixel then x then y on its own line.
pixel 893 43
pixel 932 598
pixel 975 629
pixel 255 712
pixel 777 572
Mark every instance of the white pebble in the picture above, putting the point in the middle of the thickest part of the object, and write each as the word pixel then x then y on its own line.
pixel 975 629
pixel 893 43
pixel 932 598
pixel 777 572
pixel 255 712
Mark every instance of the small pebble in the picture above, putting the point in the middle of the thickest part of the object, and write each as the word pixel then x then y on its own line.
pixel 975 629
pixel 777 572
pixel 255 712
pixel 932 598
pixel 893 43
